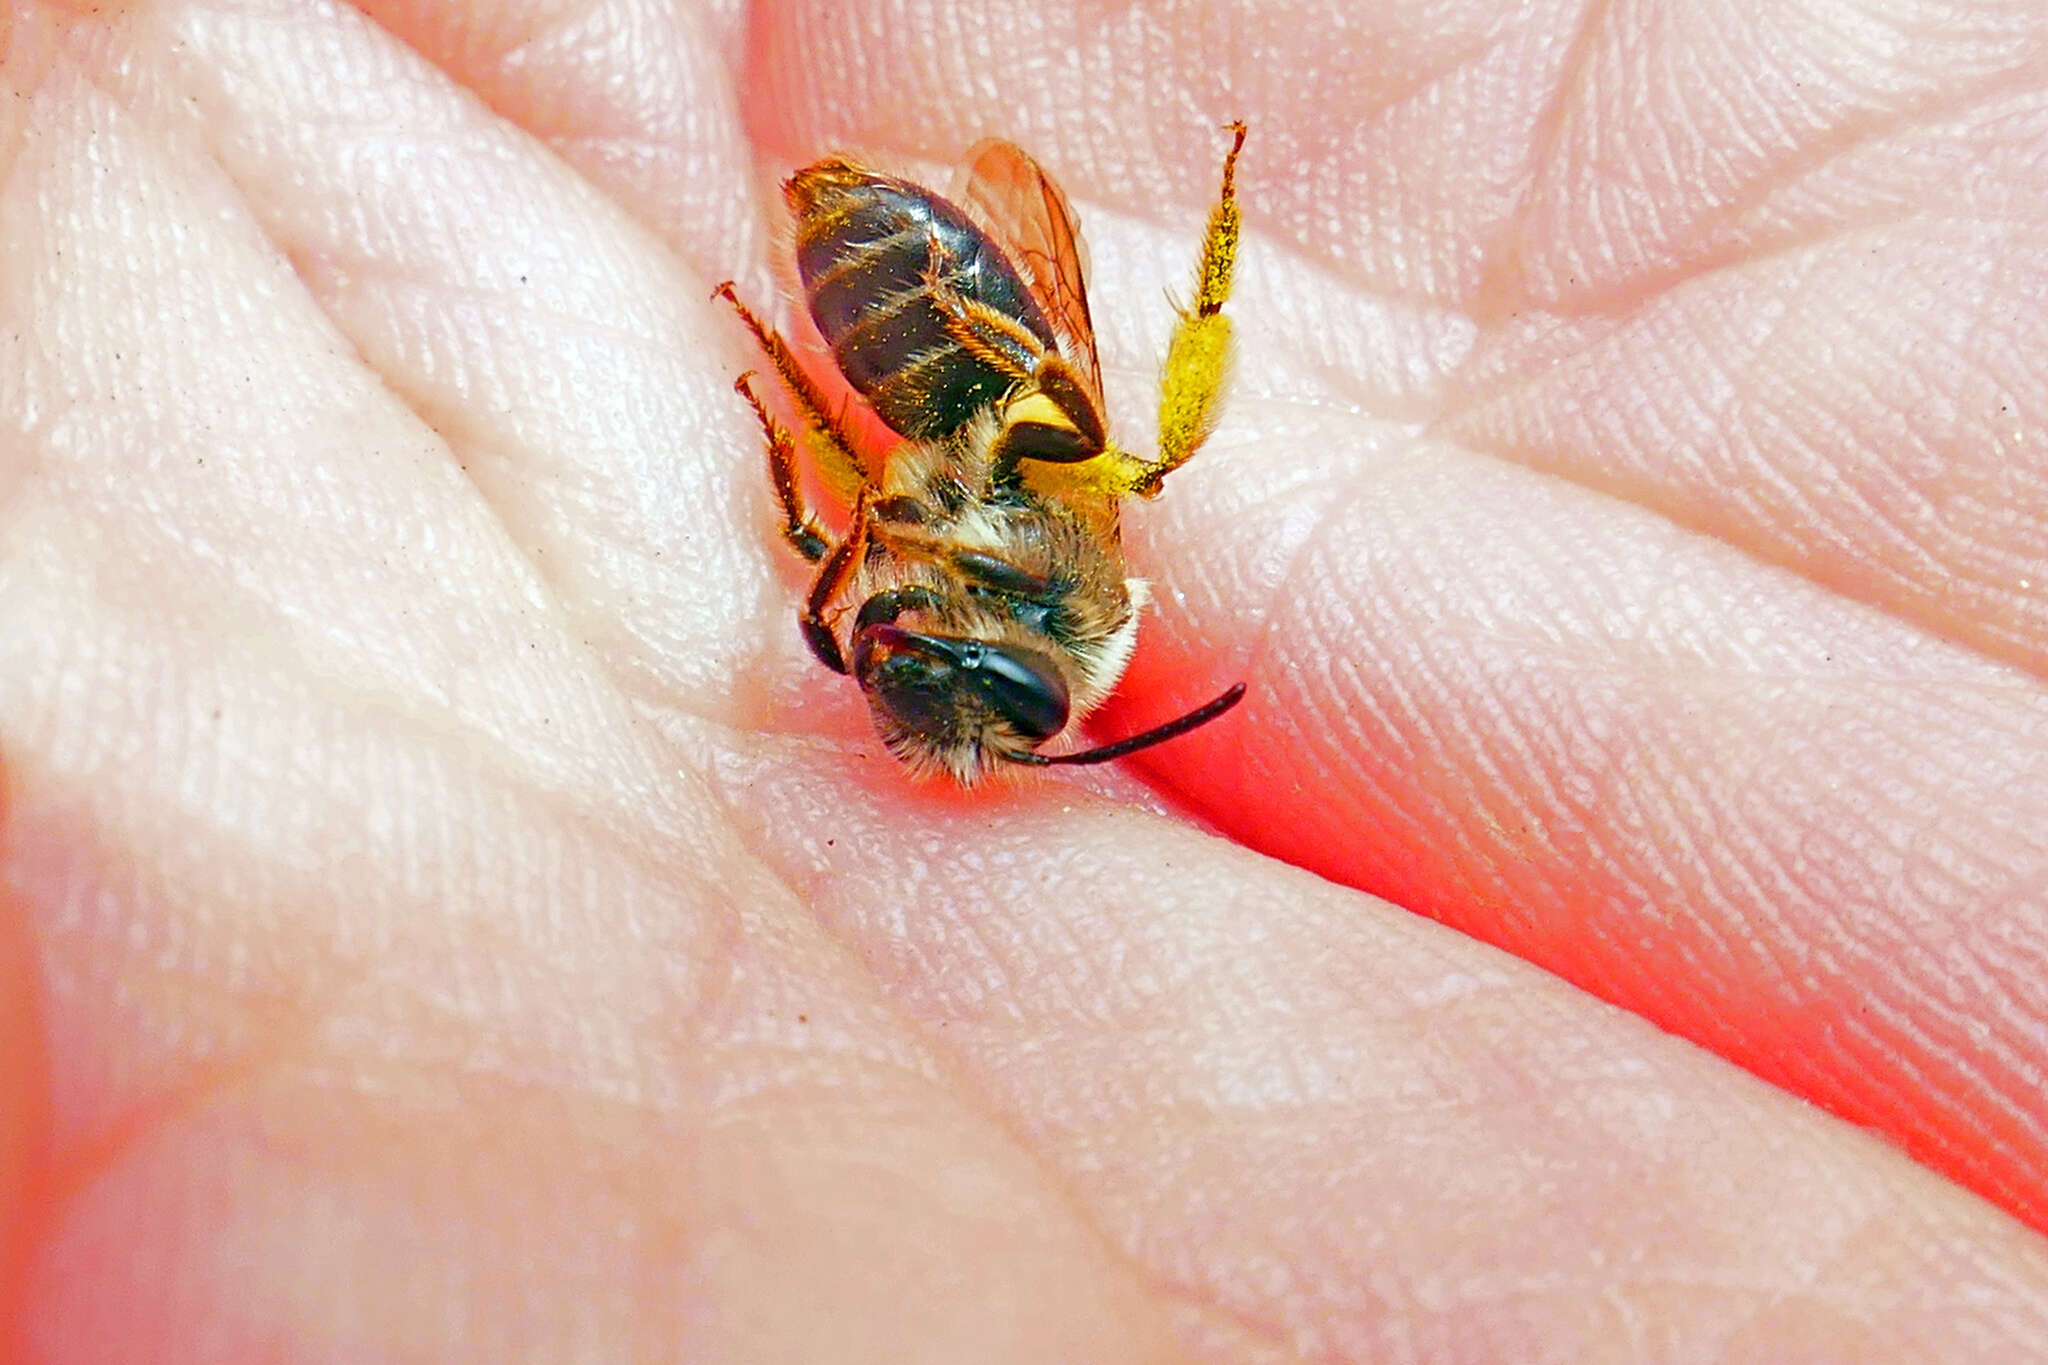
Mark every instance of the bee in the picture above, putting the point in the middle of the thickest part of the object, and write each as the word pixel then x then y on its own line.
pixel 984 552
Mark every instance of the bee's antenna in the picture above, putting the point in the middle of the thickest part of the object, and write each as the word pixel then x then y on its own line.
pixel 1158 734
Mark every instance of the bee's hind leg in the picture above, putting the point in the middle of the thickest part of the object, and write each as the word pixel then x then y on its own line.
pixel 799 526
pixel 1198 358
pixel 833 576
pixel 836 563
pixel 838 458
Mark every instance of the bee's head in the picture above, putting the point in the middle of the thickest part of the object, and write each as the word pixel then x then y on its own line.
pixel 950 703
pixel 943 693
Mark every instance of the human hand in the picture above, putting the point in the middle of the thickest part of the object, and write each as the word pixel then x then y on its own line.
pixel 451 917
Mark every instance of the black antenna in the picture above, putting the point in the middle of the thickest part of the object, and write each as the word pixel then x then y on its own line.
pixel 1158 734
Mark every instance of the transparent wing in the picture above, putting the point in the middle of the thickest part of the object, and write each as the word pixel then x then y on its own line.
pixel 1018 204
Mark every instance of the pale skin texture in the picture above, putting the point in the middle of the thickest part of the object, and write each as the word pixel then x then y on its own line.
pixel 449 918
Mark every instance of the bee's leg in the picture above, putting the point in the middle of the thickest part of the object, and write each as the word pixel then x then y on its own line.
pixel 837 455
pixel 986 334
pixel 833 576
pixel 1198 359
pixel 1049 416
pixel 799 527
pixel 1000 342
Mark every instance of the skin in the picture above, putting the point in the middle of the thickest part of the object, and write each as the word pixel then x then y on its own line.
pixel 448 918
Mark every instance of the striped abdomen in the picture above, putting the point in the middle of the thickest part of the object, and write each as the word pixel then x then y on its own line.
pixel 865 248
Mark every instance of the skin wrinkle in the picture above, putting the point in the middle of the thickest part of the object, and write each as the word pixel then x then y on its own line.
pixel 1667 506
pixel 650 849
pixel 337 987
pixel 948 1060
pixel 1070 1003
pixel 1904 1087
pixel 1733 246
pixel 418 396
pixel 1058 1180
pixel 1528 805
pixel 1876 960
pixel 2014 1075
pixel 1317 507
pixel 1506 276
pixel 533 43
pixel 1251 1330
pixel 1427 81
pixel 88 1158
pixel 1189 1278
pixel 672 831
pixel 1802 509
pixel 1901 1087
pixel 1786 504
pixel 1504 751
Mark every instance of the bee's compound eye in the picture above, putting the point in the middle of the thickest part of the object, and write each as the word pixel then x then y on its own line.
pixel 927 681
pixel 1022 686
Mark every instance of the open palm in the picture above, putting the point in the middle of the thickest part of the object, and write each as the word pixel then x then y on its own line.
pixel 448 917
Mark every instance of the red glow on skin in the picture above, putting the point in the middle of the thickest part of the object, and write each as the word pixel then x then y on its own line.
pixel 1551 897
pixel 24 1106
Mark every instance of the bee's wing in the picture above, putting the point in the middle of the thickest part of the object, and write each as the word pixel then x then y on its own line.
pixel 1017 202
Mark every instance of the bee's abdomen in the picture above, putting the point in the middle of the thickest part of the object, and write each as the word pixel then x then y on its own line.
pixel 866 248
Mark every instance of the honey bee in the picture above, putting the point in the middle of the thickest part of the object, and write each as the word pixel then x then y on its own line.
pixel 984 551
